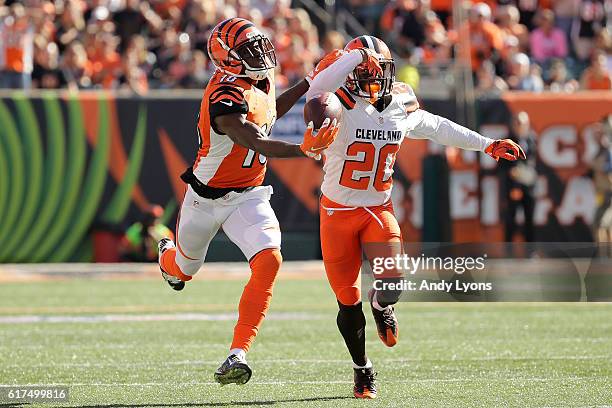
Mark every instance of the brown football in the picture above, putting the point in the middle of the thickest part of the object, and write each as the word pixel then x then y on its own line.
pixel 325 105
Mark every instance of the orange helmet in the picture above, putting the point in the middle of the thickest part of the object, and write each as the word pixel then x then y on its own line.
pixel 240 49
pixel 360 82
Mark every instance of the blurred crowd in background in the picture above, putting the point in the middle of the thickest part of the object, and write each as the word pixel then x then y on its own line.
pixel 531 45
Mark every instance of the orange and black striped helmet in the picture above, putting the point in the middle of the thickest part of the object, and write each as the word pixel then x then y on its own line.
pixel 360 82
pixel 240 49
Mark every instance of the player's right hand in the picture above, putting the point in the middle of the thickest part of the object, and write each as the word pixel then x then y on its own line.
pixel 371 60
pixel 315 141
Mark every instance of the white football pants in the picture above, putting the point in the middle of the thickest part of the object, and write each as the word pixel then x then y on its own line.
pixel 246 218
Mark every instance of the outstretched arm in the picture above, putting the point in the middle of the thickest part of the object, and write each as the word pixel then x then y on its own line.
pixel 448 133
pixel 445 132
pixel 251 136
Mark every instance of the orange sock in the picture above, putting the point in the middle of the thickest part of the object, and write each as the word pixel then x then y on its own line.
pixel 256 297
pixel 168 264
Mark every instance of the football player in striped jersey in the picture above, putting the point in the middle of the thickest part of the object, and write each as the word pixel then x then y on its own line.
pixel 224 185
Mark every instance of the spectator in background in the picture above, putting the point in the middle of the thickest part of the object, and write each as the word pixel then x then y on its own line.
pixel 488 82
pixel 603 43
pixel 43 19
pixel 202 18
pixel 407 71
pixel 527 11
pixel 591 18
pixel 281 38
pixel 197 73
pixel 413 22
pixel 76 69
pixel 71 24
pixel 509 49
pixel 558 78
pixel 565 14
pixel 597 76
pixel 282 9
pixel 519 178
pixel 300 24
pixel 486 39
pixel 17 38
pixel 602 178
pixel 105 60
pixel 296 68
pixel 436 48
pixel 46 73
pixel 132 76
pixel 444 10
pixel 524 76
pixel 547 41
pixel 507 18
pixel 332 40
pixel 392 20
pixel 179 64
pixel 165 52
pixel 139 243
pixel 134 18
pixel 145 59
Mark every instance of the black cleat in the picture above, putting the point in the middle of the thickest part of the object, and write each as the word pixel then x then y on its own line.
pixel 234 370
pixel 386 322
pixel 174 282
pixel 365 383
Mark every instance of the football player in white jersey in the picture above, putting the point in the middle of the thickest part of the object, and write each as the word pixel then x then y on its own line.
pixel 378 113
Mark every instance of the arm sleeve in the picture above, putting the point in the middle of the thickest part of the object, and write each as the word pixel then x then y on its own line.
pixel 445 132
pixel 331 77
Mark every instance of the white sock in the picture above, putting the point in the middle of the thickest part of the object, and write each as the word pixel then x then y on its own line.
pixel 375 304
pixel 368 365
pixel 238 352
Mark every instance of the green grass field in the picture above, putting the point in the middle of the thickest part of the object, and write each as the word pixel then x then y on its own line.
pixel 449 355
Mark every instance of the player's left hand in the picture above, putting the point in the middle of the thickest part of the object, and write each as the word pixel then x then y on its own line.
pixel 315 141
pixel 505 149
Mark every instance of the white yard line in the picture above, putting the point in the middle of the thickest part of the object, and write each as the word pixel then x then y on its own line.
pixel 408 381
pixel 157 365
pixel 159 317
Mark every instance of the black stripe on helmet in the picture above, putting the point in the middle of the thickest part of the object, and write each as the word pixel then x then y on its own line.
pixel 244 27
pixel 376 42
pixel 239 20
pixel 221 27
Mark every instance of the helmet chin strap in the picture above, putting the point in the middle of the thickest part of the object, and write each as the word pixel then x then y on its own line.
pixel 257 75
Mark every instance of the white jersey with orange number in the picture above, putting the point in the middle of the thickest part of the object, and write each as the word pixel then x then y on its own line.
pixel 359 163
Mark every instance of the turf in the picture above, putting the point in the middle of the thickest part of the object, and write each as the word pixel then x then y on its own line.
pixel 449 355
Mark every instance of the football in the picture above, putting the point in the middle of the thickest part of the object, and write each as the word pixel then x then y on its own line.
pixel 325 105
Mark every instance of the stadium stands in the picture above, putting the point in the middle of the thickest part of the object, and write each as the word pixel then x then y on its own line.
pixel 145 44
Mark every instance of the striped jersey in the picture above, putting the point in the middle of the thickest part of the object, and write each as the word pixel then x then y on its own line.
pixel 220 162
